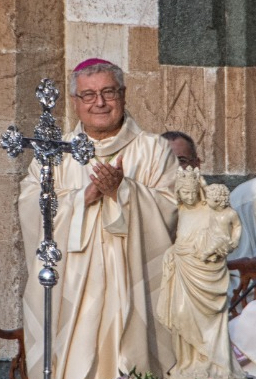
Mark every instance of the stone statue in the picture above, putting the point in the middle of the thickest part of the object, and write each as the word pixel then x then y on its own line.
pixel 193 295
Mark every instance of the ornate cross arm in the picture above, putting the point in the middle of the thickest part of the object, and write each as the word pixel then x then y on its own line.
pixel 81 149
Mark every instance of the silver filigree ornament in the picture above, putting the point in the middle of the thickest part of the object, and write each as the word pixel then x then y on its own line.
pixel 49 253
pixel 12 141
pixel 47 196
pixel 47 94
pixel 82 150
pixel 46 131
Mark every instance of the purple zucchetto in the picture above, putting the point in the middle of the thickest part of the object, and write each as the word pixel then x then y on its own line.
pixel 90 62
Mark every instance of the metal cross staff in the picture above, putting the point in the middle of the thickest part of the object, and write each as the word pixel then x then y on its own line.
pixel 48 150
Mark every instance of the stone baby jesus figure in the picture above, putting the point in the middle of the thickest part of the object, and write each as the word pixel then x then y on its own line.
pixel 193 295
pixel 225 227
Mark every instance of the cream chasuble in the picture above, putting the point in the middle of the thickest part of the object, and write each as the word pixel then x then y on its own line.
pixel 110 273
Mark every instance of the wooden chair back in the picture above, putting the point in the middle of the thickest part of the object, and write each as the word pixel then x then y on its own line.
pixel 18 363
pixel 247 283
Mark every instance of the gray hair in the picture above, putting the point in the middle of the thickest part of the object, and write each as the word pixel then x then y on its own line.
pixel 99 67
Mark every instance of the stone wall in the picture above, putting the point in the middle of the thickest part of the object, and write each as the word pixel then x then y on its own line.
pixel 214 104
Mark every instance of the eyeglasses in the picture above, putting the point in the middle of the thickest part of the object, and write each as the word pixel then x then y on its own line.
pixel 107 94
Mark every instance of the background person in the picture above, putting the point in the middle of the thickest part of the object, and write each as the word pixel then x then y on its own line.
pixel 183 147
pixel 243 200
pixel 114 221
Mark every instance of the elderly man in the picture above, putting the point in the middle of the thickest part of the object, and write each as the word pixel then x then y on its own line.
pixel 115 220
pixel 183 147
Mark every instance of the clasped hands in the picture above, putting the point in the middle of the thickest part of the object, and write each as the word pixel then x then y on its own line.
pixel 105 182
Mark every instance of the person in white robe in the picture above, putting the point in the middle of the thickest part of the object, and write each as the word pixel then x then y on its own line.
pixel 242 327
pixel 243 201
pixel 115 219
pixel 193 297
pixel 183 147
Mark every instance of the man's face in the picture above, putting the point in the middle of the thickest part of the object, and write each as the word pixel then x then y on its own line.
pixel 182 150
pixel 100 118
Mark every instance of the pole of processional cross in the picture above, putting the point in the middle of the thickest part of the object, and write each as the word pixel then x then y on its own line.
pixel 48 150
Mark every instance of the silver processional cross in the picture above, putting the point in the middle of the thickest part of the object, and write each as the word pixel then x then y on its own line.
pixel 48 150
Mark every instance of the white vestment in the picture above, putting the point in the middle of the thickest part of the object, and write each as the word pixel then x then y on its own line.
pixel 110 273
pixel 243 201
pixel 242 330
pixel 242 327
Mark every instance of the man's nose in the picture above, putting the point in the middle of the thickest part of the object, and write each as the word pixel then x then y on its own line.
pixel 100 101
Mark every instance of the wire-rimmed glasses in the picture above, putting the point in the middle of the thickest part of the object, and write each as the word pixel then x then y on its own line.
pixel 107 94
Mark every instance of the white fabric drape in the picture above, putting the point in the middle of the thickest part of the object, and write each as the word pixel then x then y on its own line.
pixel 243 200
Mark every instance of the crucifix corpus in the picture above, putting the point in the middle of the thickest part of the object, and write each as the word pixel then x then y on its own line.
pixel 48 150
